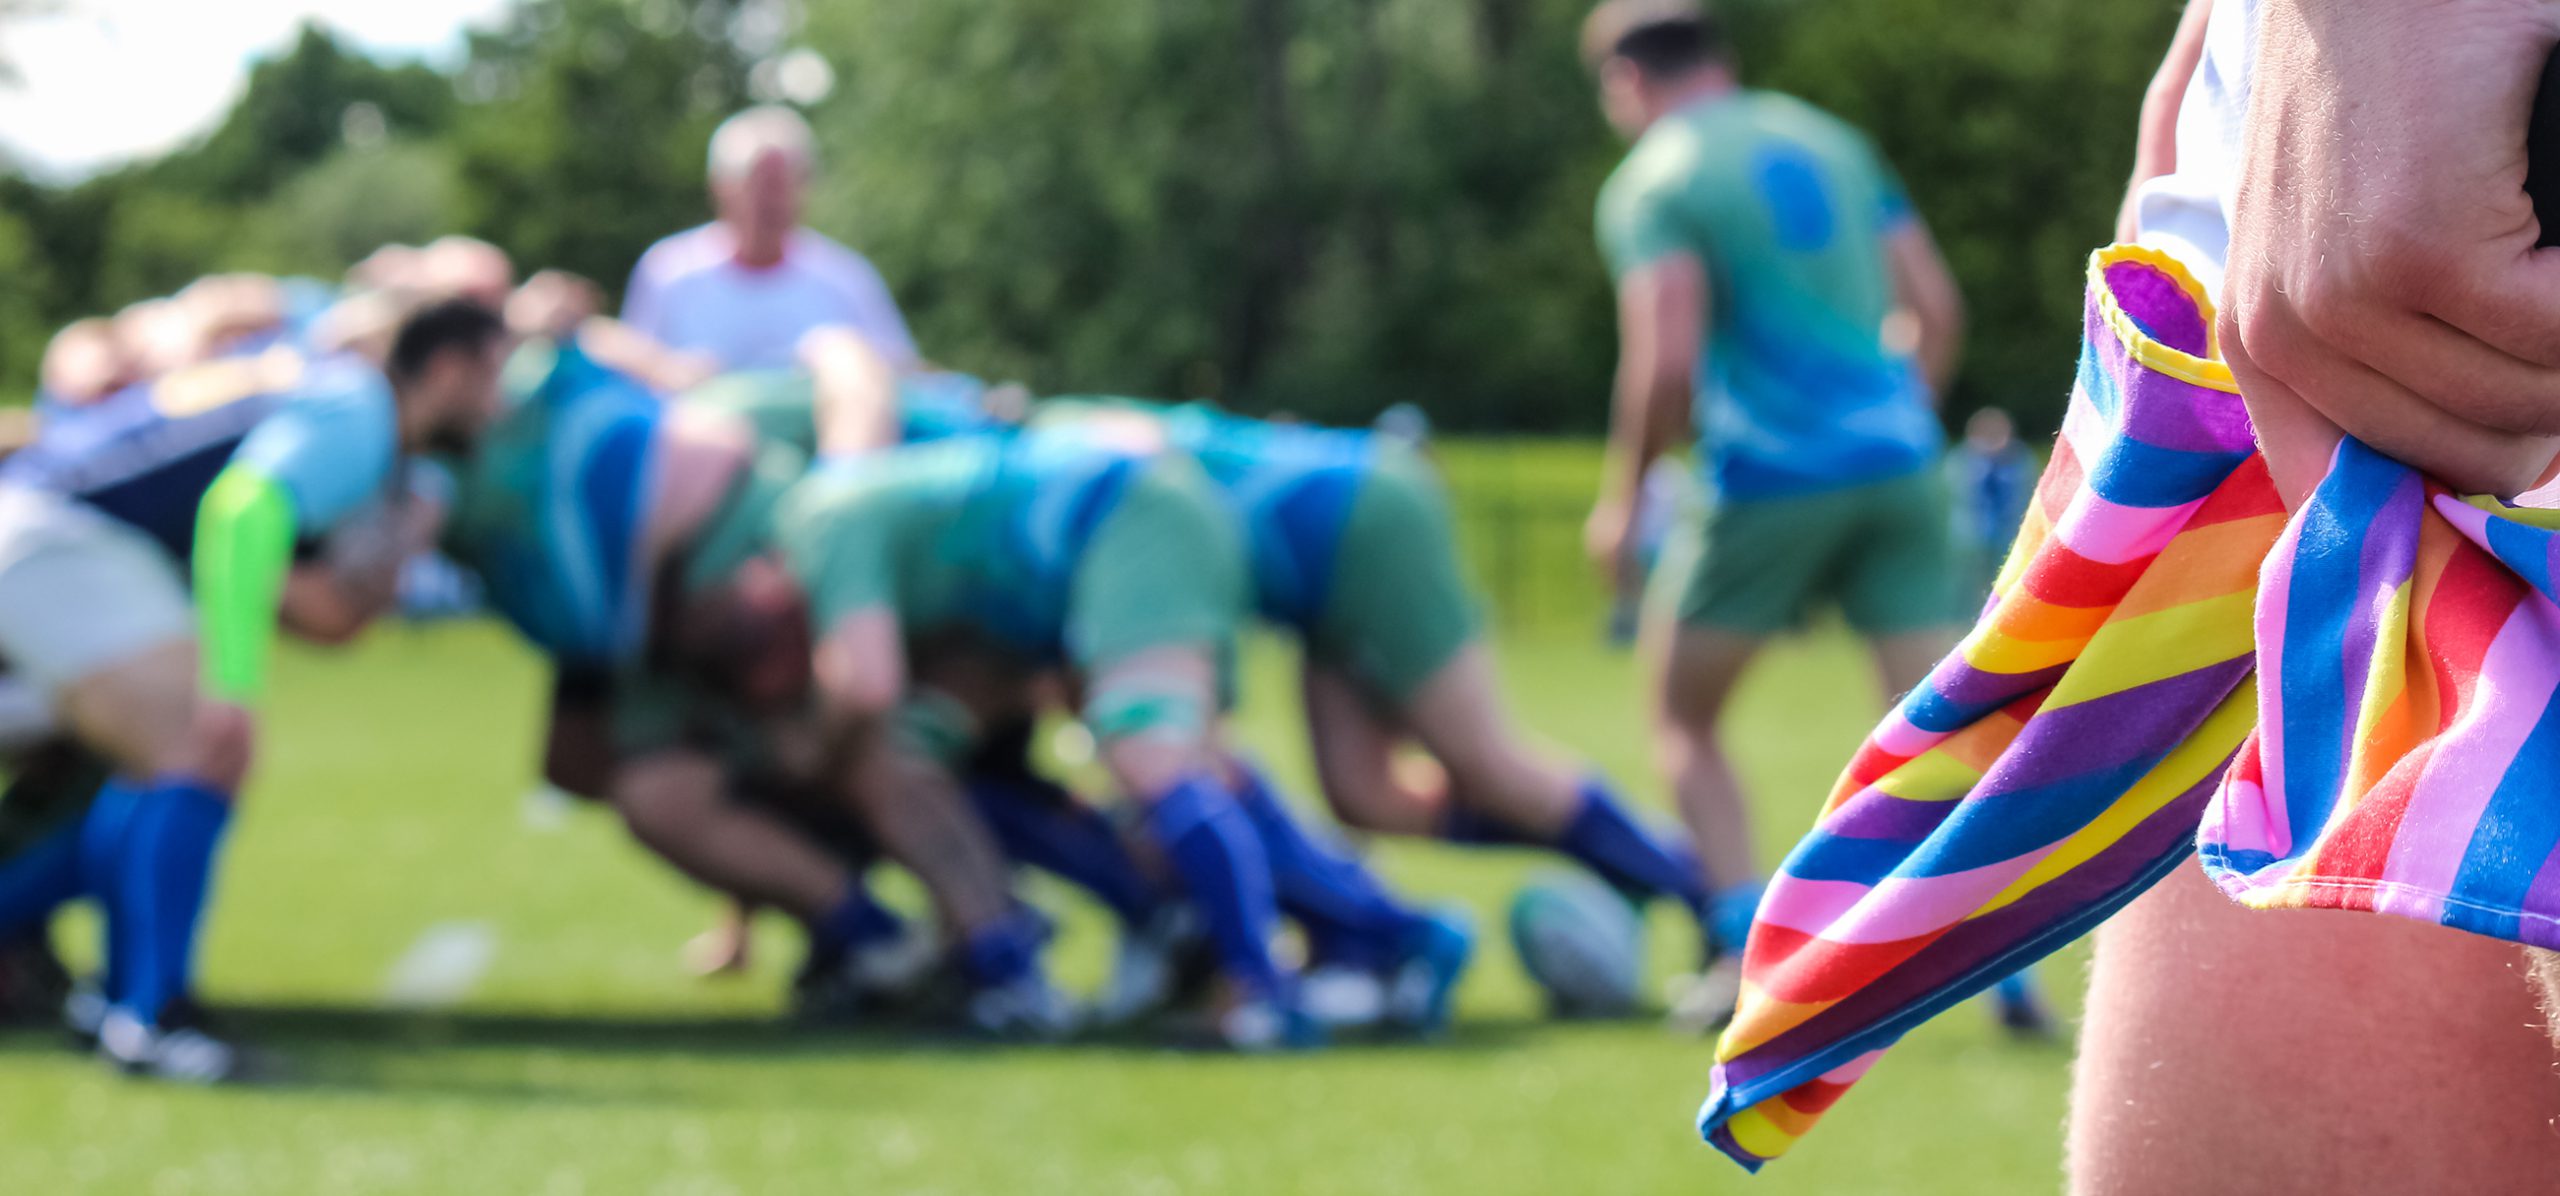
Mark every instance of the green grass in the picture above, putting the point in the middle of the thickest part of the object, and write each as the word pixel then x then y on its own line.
pixel 391 798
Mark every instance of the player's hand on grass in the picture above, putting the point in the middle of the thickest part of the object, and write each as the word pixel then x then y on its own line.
pixel 2383 276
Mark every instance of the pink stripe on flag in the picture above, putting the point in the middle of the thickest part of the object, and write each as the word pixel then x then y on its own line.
pixel 2276 577
pixel 2112 534
pixel 2473 756
pixel 1894 909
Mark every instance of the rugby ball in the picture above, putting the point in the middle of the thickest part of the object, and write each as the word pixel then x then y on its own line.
pixel 1581 942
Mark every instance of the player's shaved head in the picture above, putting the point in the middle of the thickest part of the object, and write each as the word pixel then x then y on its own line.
pixel 1664 39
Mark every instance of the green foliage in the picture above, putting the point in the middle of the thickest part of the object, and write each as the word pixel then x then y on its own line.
pixel 1319 206
pixel 2015 135
pixel 338 211
pixel 592 116
pixel 296 111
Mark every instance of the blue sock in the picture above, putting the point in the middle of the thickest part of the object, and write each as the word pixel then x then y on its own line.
pixel 1729 915
pixel 2016 988
pixel 857 921
pixel 1223 867
pixel 1609 841
pixel 1459 824
pixel 37 881
pixel 1348 915
pixel 147 856
pixel 1004 950
pixel 1038 823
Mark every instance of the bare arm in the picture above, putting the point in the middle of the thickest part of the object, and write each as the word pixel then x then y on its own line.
pixel 1662 313
pixel 2155 147
pixel 857 392
pixel 618 345
pixel 861 668
pixel 1926 289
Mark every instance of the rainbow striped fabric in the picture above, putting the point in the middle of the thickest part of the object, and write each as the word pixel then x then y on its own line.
pixel 2408 750
pixel 2061 759
pixel 2109 714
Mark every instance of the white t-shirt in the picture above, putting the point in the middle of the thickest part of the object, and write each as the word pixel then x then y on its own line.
pixel 690 292
pixel 2187 212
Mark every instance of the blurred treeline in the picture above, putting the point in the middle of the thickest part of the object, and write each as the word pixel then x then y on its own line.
pixel 1322 206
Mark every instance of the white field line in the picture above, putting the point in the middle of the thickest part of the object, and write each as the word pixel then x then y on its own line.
pixel 442 967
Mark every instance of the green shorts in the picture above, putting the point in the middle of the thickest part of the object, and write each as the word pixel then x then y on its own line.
pixel 1164 567
pixel 1399 607
pixel 1881 551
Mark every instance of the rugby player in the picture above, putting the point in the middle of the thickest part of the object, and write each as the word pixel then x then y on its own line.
pixel 1120 566
pixel 1351 550
pixel 591 509
pixel 1772 274
pixel 228 465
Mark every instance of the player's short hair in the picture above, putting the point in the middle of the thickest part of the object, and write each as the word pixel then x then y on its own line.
pixel 1662 38
pixel 750 135
pixel 440 326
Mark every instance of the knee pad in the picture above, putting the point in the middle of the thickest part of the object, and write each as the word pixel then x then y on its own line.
pixel 1143 706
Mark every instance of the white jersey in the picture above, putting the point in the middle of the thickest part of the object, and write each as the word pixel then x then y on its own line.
pixel 690 292
pixel 2187 212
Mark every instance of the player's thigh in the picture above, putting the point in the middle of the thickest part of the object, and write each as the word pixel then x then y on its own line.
pixel 2306 1051
pixel 1353 745
pixel 1153 715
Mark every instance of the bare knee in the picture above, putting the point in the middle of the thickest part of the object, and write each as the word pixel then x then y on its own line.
pixel 663 799
pixel 221 742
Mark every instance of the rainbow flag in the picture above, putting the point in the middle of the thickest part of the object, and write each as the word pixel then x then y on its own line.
pixel 2061 759
pixel 2408 754
pixel 2370 720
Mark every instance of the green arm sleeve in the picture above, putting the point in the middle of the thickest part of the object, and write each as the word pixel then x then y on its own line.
pixel 244 548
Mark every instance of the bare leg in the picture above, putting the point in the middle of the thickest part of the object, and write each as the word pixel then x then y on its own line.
pixel 917 812
pixel 2228 1050
pixel 1904 661
pixel 1695 671
pixel 147 716
pixel 1460 718
pixel 1355 757
pixel 676 804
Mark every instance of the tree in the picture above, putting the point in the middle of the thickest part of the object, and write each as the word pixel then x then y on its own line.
pixel 591 120
pixel 295 111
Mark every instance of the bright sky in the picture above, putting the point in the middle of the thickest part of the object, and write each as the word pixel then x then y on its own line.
pixel 105 81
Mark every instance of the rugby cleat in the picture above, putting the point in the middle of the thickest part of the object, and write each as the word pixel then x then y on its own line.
pixel 1343 997
pixel 1701 1003
pixel 1262 1026
pixel 1424 987
pixel 842 987
pixel 175 1051
pixel 1147 972
pixel 1025 1009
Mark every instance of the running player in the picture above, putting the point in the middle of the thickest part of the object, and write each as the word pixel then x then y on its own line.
pixel 229 464
pixel 1772 275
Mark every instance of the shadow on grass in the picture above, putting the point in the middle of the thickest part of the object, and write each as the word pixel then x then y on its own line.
pixel 546 1057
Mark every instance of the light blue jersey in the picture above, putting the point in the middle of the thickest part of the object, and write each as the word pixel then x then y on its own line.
pixel 325 430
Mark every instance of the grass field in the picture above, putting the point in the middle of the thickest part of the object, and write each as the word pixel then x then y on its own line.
pixel 392 800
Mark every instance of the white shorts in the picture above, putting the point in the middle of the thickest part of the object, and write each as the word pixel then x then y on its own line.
pixel 80 592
